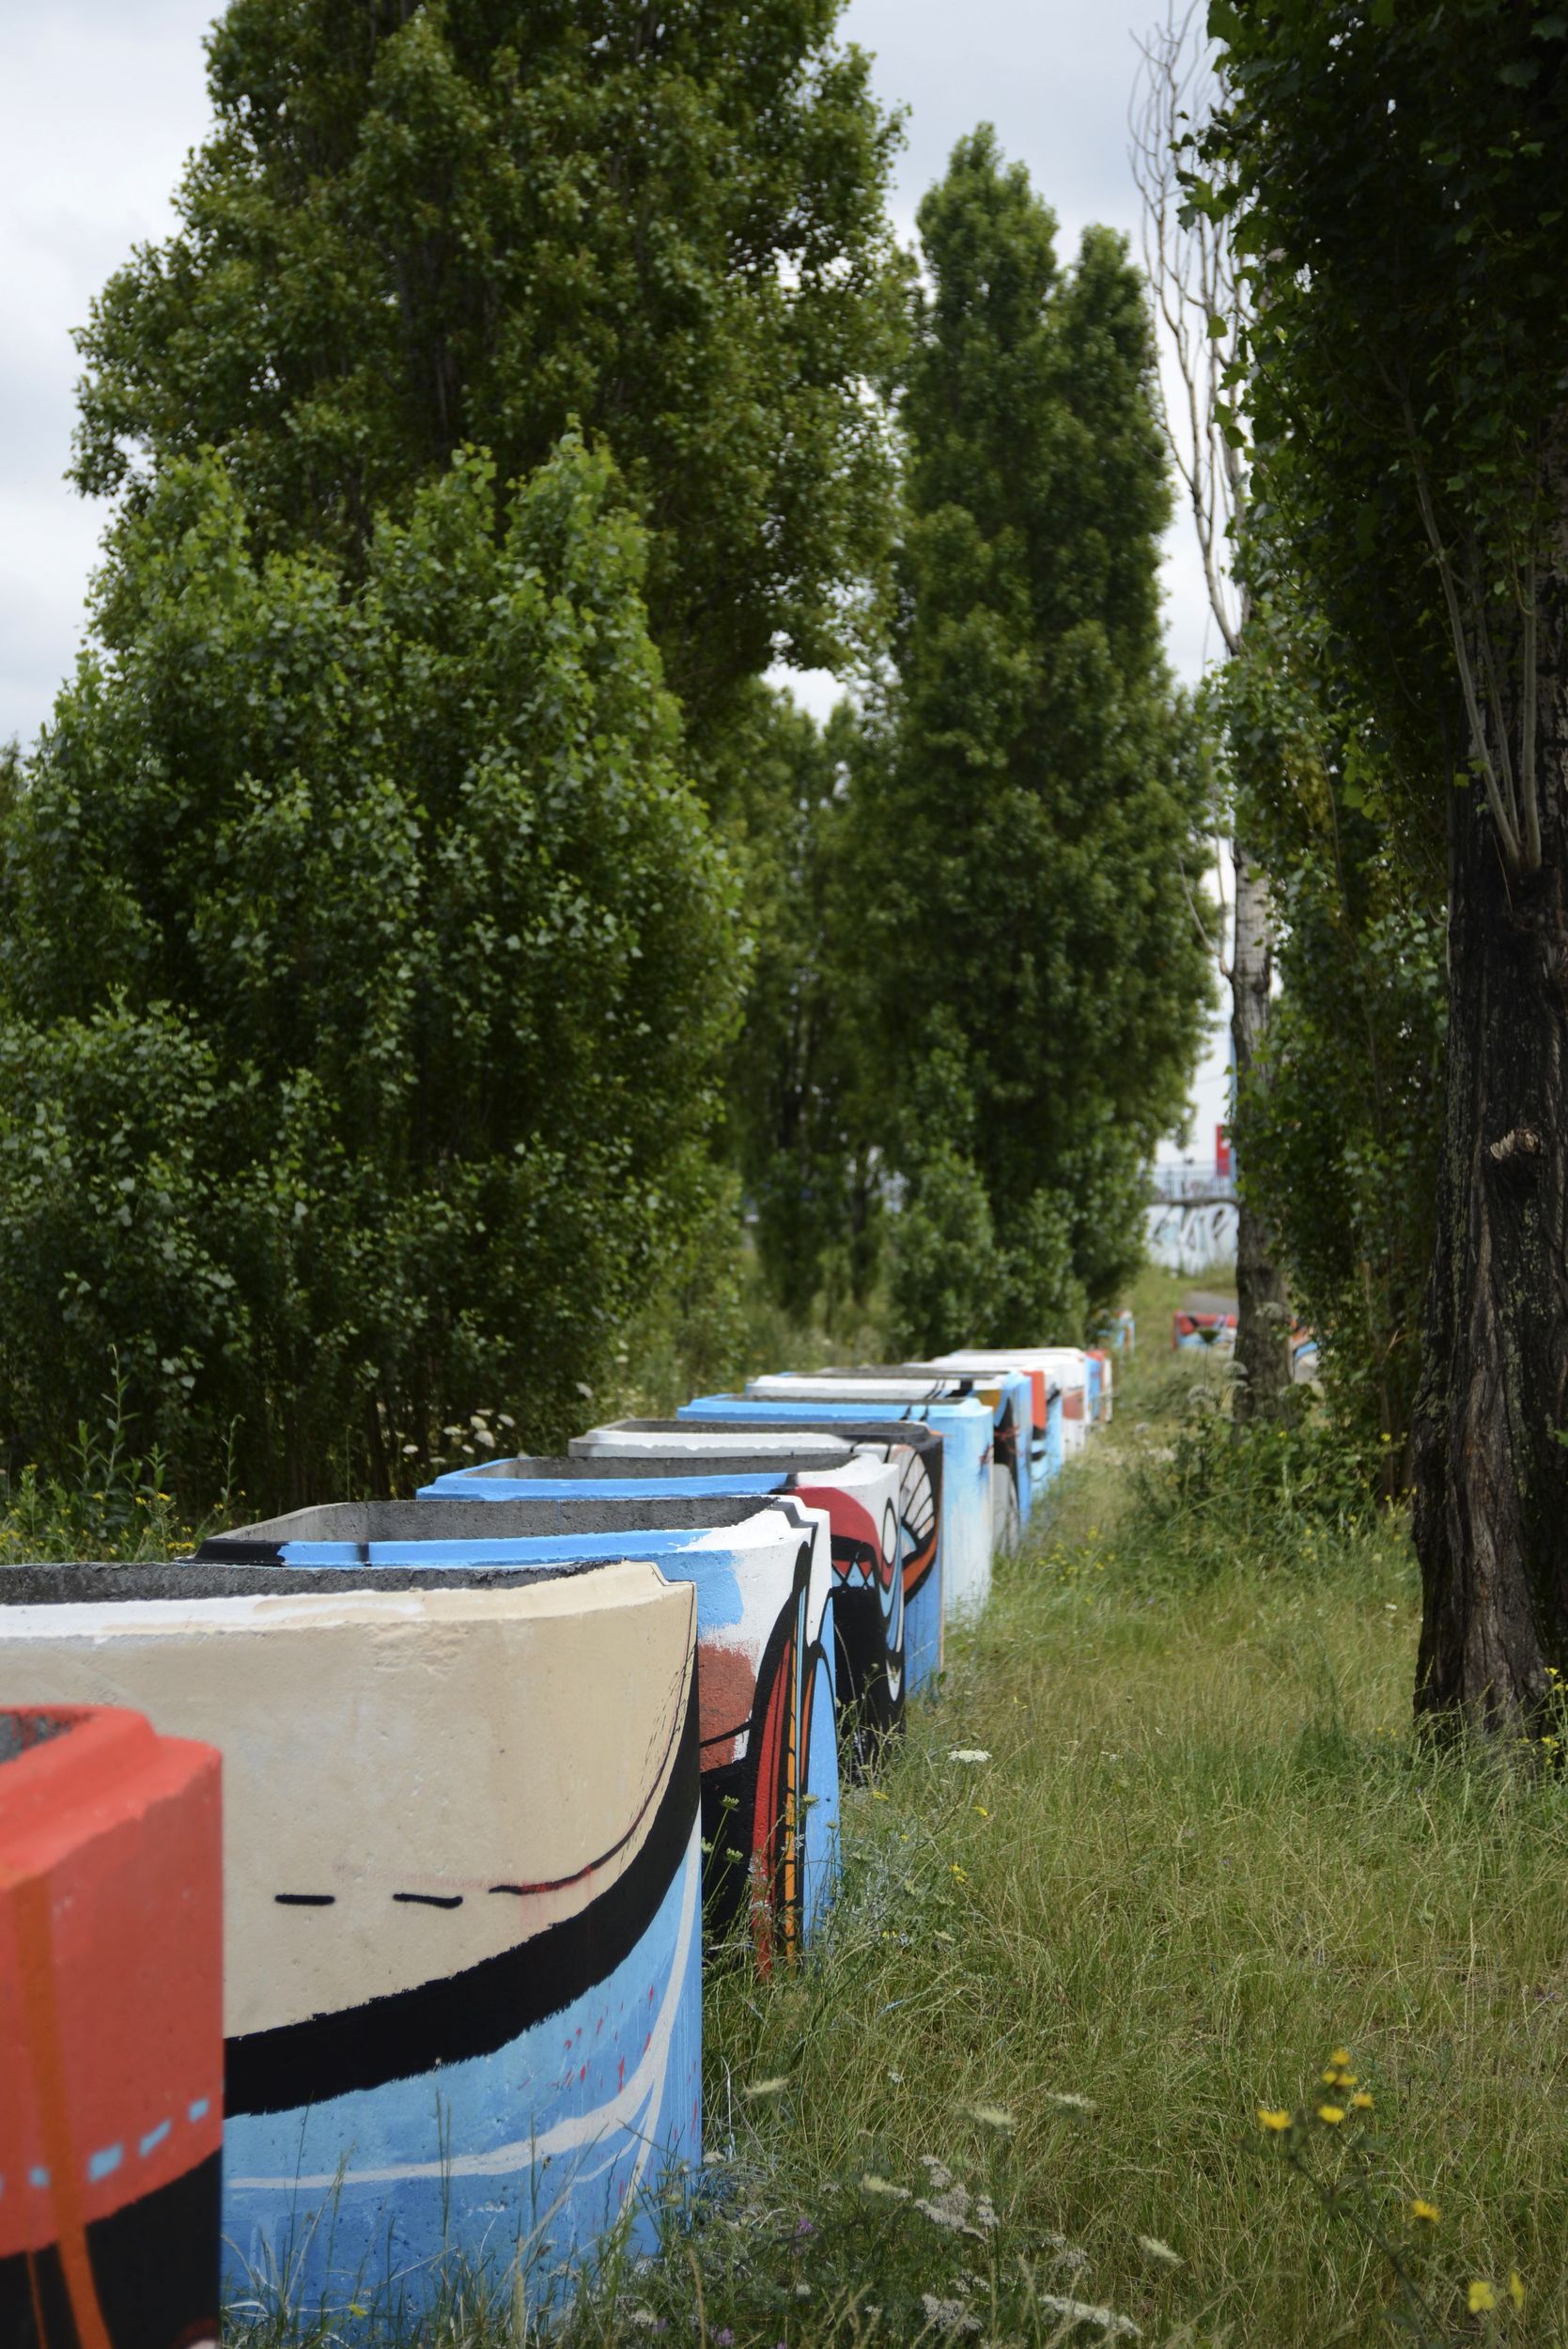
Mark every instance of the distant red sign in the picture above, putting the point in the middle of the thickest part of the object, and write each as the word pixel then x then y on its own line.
pixel 1222 1151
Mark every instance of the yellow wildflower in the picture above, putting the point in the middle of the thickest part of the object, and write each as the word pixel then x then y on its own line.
pixel 1480 2296
pixel 1333 2114
pixel 1340 2058
pixel 1361 2101
pixel 1428 2211
pixel 1279 2119
pixel 1515 2287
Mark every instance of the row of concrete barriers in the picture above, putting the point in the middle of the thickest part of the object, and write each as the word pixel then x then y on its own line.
pixel 497 1765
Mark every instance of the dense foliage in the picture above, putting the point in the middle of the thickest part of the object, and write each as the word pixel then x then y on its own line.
pixel 1395 176
pixel 424 222
pixel 800 1120
pixel 1338 1132
pixel 1026 795
pixel 366 962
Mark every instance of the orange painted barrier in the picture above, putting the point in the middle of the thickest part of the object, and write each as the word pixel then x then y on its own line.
pixel 111 2032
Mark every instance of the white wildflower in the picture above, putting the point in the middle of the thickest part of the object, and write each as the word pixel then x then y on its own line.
pixel 950 2204
pixel 949 2316
pixel 968 1754
pixel 1083 2312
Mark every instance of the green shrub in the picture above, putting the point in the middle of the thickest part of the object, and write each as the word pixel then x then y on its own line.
pixel 366 962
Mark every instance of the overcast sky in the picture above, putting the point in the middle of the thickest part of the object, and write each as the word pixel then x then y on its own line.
pixel 101 103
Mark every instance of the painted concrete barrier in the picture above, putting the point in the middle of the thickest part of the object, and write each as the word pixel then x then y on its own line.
pixel 463 1993
pixel 1067 1366
pixel 964 1427
pixel 874 1388
pixel 1046 1447
pixel 767 1694
pixel 857 1494
pixel 913 1449
pixel 1196 1330
pixel 111 2029
pixel 1012 1413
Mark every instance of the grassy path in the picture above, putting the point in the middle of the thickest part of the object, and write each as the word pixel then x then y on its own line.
pixel 1200 1854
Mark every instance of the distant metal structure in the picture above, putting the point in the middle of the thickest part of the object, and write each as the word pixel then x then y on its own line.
pixel 1191 1218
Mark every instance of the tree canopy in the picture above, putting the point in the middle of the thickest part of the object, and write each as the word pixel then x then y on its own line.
pixel 1026 797
pixel 420 222
pixel 365 964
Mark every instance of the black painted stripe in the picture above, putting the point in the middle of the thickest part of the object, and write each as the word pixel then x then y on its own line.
pixel 478 2011
pixel 430 1900
pixel 305 1900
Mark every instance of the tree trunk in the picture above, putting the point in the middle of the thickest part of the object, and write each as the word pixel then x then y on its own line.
pixel 1263 1317
pixel 1491 1475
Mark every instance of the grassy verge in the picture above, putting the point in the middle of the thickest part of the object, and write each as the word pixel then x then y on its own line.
pixel 1200 1853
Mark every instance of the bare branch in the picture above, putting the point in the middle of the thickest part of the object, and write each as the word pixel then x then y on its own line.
pixel 1192 278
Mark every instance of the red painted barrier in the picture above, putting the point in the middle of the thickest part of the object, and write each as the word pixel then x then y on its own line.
pixel 111 2032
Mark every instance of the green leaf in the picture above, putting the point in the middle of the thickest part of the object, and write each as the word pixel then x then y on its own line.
pixel 1550 27
pixel 1519 72
pixel 1219 328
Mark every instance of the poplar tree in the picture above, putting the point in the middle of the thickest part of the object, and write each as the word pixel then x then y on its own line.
pixel 421 223
pixel 1027 797
pixel 1395 175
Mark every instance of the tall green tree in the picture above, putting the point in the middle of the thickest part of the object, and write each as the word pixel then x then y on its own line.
pixel 367 968
pixel 1028 795
pixel 419 222
pixel 799 1116
pixel 1396 177
pixel 1339 1124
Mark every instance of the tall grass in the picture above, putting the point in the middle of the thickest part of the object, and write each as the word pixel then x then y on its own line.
pixel 1203 1851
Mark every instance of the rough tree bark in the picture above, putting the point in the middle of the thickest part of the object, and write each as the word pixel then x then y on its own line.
pixel 1263 1317
pixel 1491 1470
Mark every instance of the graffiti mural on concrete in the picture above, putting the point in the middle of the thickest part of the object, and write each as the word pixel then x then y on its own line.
pixel 912 1449
pixel 767 1689
pixel 1192 1236
pixel 111 2030
pixel 475 1747
pixel 1011 1403
pixel 461 1871
pixel 964 1427
pixel 1042 1369
pixel 858 1493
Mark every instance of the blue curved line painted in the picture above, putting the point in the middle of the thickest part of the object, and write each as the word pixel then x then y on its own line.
pixel 711 1570
pixel 532 2152
pixel 459 1485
